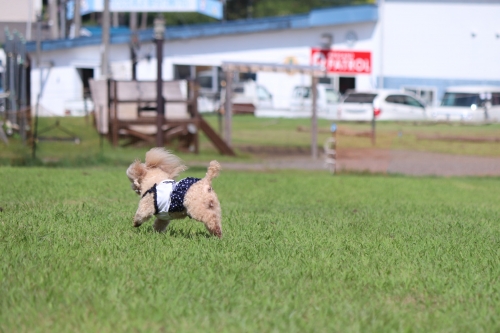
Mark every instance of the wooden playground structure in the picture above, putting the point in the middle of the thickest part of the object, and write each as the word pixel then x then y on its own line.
pixel 128 110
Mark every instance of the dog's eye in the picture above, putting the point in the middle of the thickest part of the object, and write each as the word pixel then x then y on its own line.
pixel 210 204
pixel 210 189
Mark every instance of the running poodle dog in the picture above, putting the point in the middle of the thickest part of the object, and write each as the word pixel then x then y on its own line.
pixel 169 200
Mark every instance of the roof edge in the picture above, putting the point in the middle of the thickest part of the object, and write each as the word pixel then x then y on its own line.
pixel 317 17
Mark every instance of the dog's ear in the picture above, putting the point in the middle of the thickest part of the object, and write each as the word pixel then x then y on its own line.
pixel 136 171
pixel 213 170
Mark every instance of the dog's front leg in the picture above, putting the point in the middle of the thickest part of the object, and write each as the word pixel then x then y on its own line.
pixel 145 211
pixel 160 225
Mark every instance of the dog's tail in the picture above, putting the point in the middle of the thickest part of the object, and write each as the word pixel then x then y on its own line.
pixel 166 161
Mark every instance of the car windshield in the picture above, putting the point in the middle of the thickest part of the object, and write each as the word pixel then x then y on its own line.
pixel 495 99
pixel 301 92
pixel 205 81
pixel 460 99
pixel 331 96
pixel 360 98
pixel 263 94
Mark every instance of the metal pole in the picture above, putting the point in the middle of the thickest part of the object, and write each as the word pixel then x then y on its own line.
pixel 12 84
pixel 144 20
pixel 23 97
pixel 54 22
pixel 62 13
pixel 77 19
pixel 134 42
pixel 28 23
pixel 314 118
pixel 159 31
pixel 228 115
pixel 105 40
pixel 133 21
pixel 115 19
pixel 38 62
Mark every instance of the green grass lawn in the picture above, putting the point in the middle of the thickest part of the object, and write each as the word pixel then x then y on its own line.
pixel 251 131
pixel 302 252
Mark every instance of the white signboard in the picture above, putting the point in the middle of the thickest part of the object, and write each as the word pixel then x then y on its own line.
pixel 212 8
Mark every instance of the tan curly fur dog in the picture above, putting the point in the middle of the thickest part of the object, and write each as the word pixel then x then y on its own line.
pixel 170 200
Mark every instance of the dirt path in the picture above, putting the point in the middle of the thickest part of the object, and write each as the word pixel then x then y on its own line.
pixel 424 163
pixel 382 161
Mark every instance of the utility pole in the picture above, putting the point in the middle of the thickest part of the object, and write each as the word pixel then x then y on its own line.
pixel 159 32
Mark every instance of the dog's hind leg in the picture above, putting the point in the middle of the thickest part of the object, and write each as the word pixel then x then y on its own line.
pixel 161 225
pixel 145 211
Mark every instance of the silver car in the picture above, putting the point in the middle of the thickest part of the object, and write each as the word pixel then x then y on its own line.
pixel 381 104
pixel 469 103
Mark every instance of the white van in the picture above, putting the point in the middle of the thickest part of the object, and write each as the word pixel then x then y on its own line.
pixel 249 96
pixel 327 101
pixel 469 103
pixel 208 94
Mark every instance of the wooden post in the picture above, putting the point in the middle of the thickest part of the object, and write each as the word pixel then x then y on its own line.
pixel 192 104
pixel 314 118
pixel 159 30
pixel 373 129
pixel 116 128
pixel 228 108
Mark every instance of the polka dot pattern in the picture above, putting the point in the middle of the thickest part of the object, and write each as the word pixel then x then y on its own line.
pixel 177 196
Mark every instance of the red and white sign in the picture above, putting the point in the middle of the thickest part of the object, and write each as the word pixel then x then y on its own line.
pixel 353 62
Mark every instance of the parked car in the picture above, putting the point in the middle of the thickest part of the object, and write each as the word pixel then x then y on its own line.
pixel 208 93
pixel 327 100
pixel 249 96
pixel 383 104
pixel 469 103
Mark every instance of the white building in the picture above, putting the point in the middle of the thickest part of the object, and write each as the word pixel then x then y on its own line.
pixel 422 44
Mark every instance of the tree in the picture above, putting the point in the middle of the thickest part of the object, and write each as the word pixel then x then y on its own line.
pixel 239 9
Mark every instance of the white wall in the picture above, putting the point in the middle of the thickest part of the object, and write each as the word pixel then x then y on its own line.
pixel 265 47
pixel 434 40
pixel 268 47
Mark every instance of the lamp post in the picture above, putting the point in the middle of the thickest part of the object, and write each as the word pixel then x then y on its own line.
pixel 159 31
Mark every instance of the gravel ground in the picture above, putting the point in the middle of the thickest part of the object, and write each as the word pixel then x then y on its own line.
pixel 383 161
